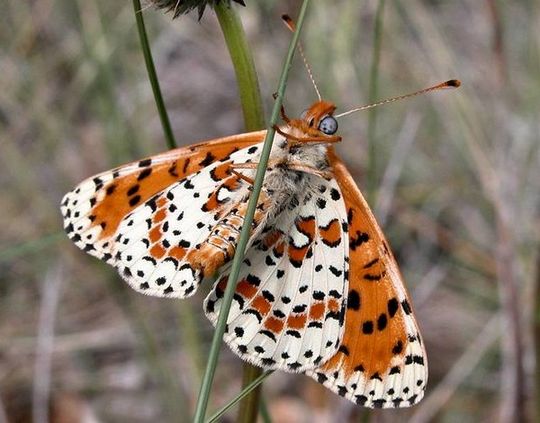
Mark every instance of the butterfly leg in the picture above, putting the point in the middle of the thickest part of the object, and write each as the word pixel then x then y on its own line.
pixel 287 165
pixel 311 170
pixel 245 178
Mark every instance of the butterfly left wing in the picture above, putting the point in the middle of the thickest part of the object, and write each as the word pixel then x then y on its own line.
pixel 287 311
pixel 157 220
pixel 93 210
pixel 381 361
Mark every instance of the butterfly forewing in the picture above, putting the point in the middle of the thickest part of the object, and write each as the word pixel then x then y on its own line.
pixel 381 361
pixel 287 311
pixel 128 218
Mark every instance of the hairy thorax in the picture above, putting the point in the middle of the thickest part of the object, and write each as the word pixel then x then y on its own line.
pixel 285 179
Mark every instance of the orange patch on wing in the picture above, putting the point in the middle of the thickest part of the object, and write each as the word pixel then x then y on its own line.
pixel 177 252
pixel 333 305
pixel 112 208
pixel 279 249
pixel 157 251
pixel 222 171
pixel 306 226
pixel 112 200
pixel 213 202
pixel 375 331
pixel 316 311
pixel 222 284
pixel 331 234
pixel 274 324
pixel 159 216
pixel 246 289
pixel 262 305
pixel 297 321
pixel 297 254
pixel 271 238
pixel 155 234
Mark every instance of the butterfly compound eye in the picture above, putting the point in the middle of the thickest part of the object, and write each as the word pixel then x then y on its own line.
pixel 328 125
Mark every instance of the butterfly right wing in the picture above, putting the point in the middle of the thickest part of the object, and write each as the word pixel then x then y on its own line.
pixel 288 307
pixel 381 361
pixel 123 216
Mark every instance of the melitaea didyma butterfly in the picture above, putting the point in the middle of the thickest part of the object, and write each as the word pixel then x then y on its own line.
pixel 319 290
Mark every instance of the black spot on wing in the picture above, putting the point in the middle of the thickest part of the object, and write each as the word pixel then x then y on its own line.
pixel 209 159
pixel 367 327
pixel 334 193
pixel 393 305
pixel 144 174
pixel 358 239
pixel 406 307
pixel 353 300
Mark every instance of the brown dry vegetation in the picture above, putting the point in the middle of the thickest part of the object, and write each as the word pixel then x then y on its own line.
pixel 459 198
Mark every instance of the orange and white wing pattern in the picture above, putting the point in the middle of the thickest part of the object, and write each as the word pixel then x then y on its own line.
pixel 381 361
pixel 288 307
pixel 150 219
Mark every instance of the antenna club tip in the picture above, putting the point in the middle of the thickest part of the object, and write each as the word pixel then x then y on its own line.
pixel 454 83
pixel 288 21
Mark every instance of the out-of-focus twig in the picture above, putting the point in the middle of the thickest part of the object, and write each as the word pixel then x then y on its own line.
pixel 429 284
pixel 403 144
pixel 3 415
pixel 52 284
pixel 373 92
pixel 448 240
pixel 536 314
pixel 109 337
pixel 513 375
pixel 457 374
pixel 498 41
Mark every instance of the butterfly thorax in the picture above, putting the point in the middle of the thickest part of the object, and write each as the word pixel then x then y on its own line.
pixel 299 155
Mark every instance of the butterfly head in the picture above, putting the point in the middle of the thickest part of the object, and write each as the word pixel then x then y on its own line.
pixel 319 116
pixel 317 123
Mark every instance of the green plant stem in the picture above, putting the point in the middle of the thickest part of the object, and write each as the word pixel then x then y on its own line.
pixel 372 172
pixel 252 108
pixel 152 76
pixel 246 391
pixel 249 406
pixel 244 66
pixel 264 413
pixel 204 394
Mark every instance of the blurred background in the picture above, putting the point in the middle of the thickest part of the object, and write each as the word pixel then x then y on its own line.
pixel 458 196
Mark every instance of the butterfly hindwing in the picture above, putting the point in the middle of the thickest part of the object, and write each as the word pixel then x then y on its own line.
pixel 144 217
pixel 381 361
pixel 287 311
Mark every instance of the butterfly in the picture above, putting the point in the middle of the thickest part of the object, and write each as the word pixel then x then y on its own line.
pixel 319 290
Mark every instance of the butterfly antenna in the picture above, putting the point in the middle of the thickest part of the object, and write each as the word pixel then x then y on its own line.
pixel 452 83
pixel 290 24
